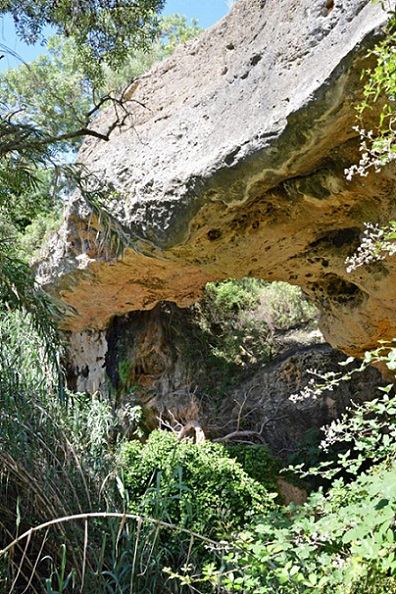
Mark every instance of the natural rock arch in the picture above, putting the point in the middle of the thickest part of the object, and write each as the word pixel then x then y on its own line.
pixel 233 165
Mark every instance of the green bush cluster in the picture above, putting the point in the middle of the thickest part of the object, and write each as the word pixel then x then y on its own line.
pixel 342 542
pixel 224 315
pixel 196 486
pixel 258 463
pixel 279 305
pixel 235 327
pixel 231 296
pixel 285 307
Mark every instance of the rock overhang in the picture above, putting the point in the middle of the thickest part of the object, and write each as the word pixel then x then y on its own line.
pixel 233 165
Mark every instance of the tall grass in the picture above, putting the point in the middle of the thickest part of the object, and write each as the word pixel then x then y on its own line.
pixel 63 521
pixel 42 474
pixel 119 553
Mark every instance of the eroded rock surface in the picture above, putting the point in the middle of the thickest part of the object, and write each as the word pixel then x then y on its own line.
pixel 232 164
pixel 158 360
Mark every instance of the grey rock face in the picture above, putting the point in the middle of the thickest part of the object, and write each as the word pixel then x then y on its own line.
pixel 232 164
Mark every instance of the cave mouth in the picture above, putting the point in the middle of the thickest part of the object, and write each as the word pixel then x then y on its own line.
pixel 242 347
pixel 237 325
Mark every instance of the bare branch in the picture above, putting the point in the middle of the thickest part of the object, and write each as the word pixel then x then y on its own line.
pixel 20 145
pixel 238 435
pixel 21 133
pixel 199 433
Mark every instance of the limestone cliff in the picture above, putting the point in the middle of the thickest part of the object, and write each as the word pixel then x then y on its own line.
pixel 232 164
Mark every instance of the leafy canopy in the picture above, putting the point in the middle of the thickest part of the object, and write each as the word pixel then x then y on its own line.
pixel 55 94
pixel 104 30
pixel 47 107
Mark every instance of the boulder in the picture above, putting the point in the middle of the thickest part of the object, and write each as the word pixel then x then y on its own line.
pixel 230 163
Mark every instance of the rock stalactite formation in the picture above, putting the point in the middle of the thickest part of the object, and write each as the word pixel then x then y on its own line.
pixel 232 164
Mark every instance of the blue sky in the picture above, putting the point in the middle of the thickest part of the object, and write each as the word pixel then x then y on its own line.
pixel 206 11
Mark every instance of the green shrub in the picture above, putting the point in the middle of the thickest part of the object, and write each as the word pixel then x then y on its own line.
pixel 239 317
pixel 284 306
pixel 234 336
pixel 233 328
pixel 258 463
pixel 342 541
pixel 197 486
pixel 231 296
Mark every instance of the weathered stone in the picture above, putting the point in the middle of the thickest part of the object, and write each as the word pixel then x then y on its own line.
pixel 232 164
pixel 265 401
pixel 158 360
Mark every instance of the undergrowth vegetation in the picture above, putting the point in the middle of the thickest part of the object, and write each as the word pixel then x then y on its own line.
pixel 240 323
pixel 202 488
pixel 82 509
pixel 343 539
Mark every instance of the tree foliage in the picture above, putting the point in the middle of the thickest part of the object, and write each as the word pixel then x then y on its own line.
pixel 173 31
pixel 54 99
pixel 52 93
pixel 104 30
pixel 378 145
